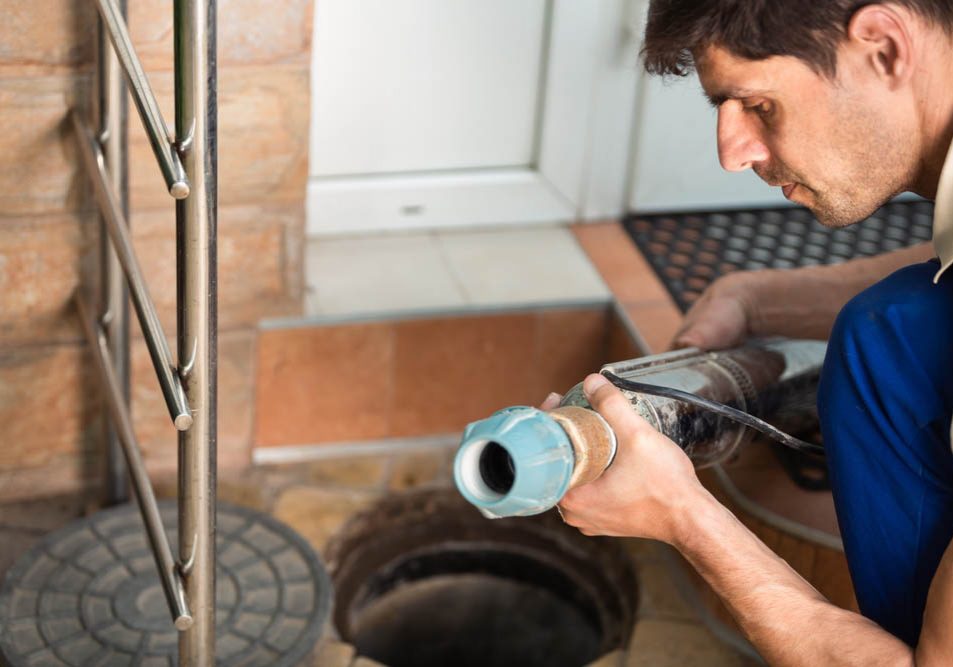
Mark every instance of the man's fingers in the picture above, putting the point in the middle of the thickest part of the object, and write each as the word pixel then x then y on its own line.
pixel 609 402
pixel 571 519
pixel 551 401
pixel 682 341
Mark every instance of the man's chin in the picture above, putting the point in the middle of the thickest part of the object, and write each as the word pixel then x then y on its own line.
pixel 835 217
pixel 831 220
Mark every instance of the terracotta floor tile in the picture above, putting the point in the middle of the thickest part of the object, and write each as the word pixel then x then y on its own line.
pixel 570 344
pixel 353 472
pixel 832 578
pixel 621 344
pixel 332 653
pixel 759 477
pixel 324 384
pixel 658 596
pixel 619 262
pixel 656 323
pixel 240 490
pixel 420 468
pixel 451 371
pixel 613 659
pixel 297 507
pixel 798 553
pixel 660 643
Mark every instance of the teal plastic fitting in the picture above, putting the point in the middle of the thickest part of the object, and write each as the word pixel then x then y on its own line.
pixel 517 462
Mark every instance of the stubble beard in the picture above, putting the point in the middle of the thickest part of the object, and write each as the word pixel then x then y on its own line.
pixel 864 181
pixel 836 211
pixel 878 165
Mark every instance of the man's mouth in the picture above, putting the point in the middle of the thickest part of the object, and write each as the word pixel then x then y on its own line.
pixel 788 189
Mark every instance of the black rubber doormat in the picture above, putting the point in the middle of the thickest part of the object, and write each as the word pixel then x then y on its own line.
pixel 689 250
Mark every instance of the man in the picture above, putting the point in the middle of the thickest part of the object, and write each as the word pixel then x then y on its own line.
pixel 842 104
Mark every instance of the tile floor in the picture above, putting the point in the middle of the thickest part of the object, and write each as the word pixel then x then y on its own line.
pixel 669 632
pixel 448 269
pixel 426 272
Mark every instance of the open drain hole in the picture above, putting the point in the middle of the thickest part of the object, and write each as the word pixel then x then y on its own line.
pixel 423 580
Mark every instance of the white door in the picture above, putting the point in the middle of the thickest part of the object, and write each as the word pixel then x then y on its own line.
pixel 441 113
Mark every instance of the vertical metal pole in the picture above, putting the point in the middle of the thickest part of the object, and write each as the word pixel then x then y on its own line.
pixel 111 123
pixel 195 128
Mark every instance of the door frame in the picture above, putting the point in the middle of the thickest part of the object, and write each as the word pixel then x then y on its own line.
pixel 580 170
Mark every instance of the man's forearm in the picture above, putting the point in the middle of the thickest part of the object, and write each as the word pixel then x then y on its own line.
pixel 804 302
pixel 787 620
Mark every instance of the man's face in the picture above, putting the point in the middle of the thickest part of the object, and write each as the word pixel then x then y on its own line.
pixel 841 147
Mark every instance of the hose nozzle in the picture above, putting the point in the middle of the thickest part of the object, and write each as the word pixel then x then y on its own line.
pixel 521 461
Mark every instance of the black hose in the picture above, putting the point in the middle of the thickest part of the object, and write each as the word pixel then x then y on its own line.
pixel 734 414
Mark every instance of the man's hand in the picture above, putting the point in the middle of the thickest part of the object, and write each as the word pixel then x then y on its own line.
pixel 796 303
pixel 648 484
pixel 551 402
pixel 651 490
pixel 721 317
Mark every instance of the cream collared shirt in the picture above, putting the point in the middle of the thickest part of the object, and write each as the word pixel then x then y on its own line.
pixel 943 216
pixel 943 225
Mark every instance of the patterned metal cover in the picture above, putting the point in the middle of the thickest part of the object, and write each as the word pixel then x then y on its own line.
pixel 88 594
pixel 688 251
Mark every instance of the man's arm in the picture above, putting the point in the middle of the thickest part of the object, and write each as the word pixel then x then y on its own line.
pixel 651 490
pixel 788 621
pixel 797 303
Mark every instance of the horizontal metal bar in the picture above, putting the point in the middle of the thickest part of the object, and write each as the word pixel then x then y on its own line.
pixel 169 381
pixel 169 573
pixel 145 100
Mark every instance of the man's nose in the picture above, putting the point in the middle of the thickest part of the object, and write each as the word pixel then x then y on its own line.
pixel 740 144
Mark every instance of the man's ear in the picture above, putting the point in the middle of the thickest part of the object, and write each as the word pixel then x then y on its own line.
pixel 880 35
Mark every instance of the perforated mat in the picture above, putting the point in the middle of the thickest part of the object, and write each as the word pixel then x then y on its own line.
pixel 688 251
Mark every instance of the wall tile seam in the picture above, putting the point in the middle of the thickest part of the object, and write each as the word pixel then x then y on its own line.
pixel 300 61
pixel 283 201
pixel 135 337
pixel 291 264
pixel 10 71
pixel 87 213
pixel 290 65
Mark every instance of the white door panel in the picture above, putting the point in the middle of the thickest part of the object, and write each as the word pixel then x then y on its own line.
pixel 439 113
pixel 424 85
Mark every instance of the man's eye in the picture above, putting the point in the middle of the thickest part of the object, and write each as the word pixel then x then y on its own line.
pixel 762 109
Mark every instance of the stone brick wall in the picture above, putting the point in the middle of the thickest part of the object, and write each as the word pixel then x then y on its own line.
pixel 50 402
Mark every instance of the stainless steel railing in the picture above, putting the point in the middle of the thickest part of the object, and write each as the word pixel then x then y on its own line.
pixel 169 574
pixel 117 229
pixel 188 162
pixel 111 114
pixel 159 137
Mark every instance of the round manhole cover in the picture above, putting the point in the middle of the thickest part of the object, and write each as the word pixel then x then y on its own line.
pixel 89 594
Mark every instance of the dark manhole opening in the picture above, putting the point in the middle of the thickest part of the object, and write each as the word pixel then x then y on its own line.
pixel 423 580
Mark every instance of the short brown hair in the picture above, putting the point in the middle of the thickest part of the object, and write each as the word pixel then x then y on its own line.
pixel 810 30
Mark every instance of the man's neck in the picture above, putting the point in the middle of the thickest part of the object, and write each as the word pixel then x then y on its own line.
pixel 935 98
